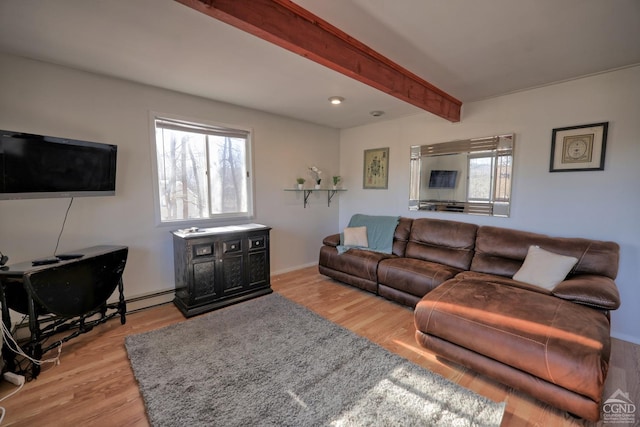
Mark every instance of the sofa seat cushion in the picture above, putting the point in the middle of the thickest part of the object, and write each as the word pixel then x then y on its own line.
pixel 561 342
pixel 413 276
pixel 355 262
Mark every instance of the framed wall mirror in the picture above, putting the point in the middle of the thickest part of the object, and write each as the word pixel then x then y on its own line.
pixel 471 176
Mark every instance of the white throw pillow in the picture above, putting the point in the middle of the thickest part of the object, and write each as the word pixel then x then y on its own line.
pixel 356 236
pixel 544 269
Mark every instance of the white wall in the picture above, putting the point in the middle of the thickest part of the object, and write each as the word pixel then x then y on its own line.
pixel 601 205
pixel 42 98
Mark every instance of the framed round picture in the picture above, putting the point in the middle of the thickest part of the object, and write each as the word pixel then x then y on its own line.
pixel 578 148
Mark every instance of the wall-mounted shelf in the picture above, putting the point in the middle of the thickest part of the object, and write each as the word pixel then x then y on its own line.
pixel 307 192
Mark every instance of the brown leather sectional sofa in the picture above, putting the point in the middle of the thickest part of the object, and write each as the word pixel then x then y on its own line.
pixel 551 344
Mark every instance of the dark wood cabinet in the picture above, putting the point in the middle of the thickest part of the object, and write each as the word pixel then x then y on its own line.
pixel 215 267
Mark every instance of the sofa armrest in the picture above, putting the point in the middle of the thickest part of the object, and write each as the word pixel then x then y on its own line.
pixel 589 289
pixel 333 240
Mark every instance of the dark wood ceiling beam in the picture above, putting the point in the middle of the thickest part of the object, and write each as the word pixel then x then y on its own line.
pixel 288 25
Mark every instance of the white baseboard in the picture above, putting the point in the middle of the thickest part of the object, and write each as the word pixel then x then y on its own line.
pixel 625 337
pixel 150 300
pixel 137 303
pixel 297 267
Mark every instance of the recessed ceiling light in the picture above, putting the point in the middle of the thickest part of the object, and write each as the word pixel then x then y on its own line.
pixel 376 113
pixel 335 100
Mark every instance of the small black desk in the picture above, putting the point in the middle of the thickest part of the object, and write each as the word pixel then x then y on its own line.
pixel 74 291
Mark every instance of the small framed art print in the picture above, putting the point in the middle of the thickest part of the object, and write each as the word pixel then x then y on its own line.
pixel 578 148
pixel 376 168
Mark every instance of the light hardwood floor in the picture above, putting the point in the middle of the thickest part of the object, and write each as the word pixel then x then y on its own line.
pixel 94 384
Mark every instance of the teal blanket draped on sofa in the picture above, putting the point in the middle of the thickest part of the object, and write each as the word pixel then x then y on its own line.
pixel 380 230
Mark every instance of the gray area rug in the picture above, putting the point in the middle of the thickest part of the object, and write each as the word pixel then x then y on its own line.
pixel 272 362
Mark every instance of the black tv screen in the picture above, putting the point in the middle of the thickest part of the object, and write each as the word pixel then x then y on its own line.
pixel 37 166
pixel 443 179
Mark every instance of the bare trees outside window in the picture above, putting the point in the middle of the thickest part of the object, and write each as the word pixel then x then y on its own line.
pixel 203 171
pixel 483 185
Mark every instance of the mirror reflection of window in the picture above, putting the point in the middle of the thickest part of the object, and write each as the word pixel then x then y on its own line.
pixel 503 177
pixel 471 176
pixel 480 178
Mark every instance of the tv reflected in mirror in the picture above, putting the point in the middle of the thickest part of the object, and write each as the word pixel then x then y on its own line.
pixel 471 176
pixel 443 179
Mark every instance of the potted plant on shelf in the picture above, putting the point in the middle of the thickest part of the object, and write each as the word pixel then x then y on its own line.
pixel 316 173
pixel 336 180
pixel 300 182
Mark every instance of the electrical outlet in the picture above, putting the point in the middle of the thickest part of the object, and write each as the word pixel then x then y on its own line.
pixel 14 378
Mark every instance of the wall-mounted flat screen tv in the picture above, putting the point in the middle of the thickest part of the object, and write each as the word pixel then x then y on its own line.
pixel 37 166
pixel 443 179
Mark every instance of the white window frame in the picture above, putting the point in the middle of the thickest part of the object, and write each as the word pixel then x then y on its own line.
pixel 481 155
pixel 496 178
pixel 215 219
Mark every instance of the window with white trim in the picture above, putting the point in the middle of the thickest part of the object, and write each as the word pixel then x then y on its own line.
pixel 489 176
pixel 480 177
pixel 203 171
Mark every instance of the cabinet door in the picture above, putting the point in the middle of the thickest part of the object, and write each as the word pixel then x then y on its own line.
pixel 204 283
pixel 182 268
pixel 232 266
pixel 258 260
pixel 258 271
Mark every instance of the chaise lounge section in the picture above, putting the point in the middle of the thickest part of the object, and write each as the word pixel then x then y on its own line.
pixel 551 342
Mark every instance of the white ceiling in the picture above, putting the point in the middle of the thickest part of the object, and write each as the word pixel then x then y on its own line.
pixel 470 49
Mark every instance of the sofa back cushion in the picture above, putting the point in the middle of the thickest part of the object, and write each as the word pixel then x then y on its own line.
pixel 401 236
pixel 445 242
pixel 502 251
